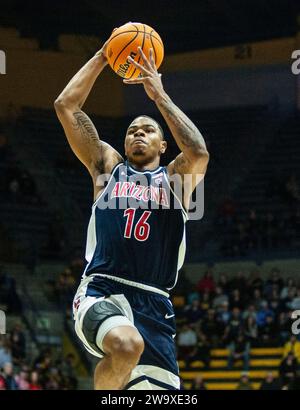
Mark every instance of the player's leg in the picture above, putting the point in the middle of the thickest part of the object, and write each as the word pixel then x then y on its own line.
pixel 107 332
pixel 157 368
pixel 123 347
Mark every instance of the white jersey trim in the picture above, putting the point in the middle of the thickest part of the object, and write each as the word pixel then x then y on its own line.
pixel 110 178
pixel 91 241
pixel 153 372
pixel 186 218
pixel 145 172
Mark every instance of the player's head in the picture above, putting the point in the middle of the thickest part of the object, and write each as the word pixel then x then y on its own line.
pixel 144 141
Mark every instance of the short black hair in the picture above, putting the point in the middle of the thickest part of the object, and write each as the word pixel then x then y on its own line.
pixel 159 126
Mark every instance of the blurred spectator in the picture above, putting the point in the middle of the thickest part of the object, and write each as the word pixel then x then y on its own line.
pixel 10 382
pixel 233 328
pixel 268 332
pixel 187 340
pixel 68 371
pixel 255 282
pixel 275 304
pixel 5 352
pixel 220 298
pixel 198 384
pixel 251 330
pixel 235 300
pixel 209 327
pixel 205 301
pixel 193 312
pixel 292 346
pixel 286 303
pixel 288 369
pixel 284 327
pixel 239 350
pixel 275 279
pixel 290 284
pixel 34 381
pixel 18 343
pixel 244 383
pixel 22 379
pixel 2 383
pixel 223 315
pixel 270 383
pixel 238 282
pixel 250 312
pixel 257 299
pixel 201 350
pixel 65 288
pixel 295 304
pixel 206 283
pixel 263 313
pixel 223 282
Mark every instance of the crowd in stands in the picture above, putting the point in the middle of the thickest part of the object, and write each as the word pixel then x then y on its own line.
pixel 238 314
pixel 46 372
pixel 49 370
pixel 63 289
pixel 240 235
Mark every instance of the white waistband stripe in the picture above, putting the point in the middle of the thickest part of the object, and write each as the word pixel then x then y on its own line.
pixel 131 283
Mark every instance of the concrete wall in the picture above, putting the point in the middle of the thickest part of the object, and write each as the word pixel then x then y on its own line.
pixel 243 74
pixel 207 89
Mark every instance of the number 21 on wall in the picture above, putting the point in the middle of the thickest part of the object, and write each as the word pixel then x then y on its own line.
pixel 141 229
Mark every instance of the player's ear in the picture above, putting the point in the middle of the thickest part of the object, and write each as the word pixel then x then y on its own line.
pixel 163 146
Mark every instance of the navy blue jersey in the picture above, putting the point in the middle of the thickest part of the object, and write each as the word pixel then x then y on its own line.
pixel 137 228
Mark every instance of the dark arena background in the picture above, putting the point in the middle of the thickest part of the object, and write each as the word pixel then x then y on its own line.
pixel 234 67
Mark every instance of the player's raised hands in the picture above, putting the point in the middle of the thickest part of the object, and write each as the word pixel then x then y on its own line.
pixel 150 78
pixel 103 50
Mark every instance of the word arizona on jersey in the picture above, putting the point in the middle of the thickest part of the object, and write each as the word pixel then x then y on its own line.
pixel 137 228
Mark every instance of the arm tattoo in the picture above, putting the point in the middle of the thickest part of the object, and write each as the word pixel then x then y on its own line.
pixel 185 131
pixel 85 126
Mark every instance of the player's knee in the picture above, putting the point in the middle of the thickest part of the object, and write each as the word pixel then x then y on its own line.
pixel 127 348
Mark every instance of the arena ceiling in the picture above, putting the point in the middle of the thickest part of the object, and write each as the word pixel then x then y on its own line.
pixel 183 25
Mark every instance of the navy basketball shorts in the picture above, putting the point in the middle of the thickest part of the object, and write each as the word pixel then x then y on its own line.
pixel 147 309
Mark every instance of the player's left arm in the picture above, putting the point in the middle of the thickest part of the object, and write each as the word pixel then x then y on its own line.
pixel 191 163
pixel 194 156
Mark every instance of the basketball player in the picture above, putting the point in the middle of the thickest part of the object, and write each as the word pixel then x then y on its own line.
pixel 122 310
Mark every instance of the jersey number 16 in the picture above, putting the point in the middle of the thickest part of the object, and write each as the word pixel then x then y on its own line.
pixel 141 229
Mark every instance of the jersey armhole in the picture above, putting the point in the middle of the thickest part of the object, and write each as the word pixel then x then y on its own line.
pixel 110 178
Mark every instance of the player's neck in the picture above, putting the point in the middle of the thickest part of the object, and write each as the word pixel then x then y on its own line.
pixel 149 166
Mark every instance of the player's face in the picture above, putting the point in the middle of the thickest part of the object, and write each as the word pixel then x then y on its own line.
pixel 143 140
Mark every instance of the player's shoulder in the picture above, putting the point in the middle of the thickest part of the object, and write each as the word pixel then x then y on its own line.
pixel 108 159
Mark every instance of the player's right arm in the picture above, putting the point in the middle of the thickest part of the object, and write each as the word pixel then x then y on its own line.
pixel 98 156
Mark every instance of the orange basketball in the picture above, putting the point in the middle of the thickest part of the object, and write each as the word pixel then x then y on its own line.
pixel 125 41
